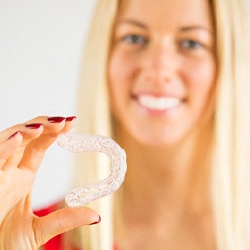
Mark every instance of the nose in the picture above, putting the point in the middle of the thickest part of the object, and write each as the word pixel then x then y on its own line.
pixel 161 62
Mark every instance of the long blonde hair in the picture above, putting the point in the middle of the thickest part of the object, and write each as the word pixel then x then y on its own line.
pixel 231 161
pixel 231 167
pixel 94 118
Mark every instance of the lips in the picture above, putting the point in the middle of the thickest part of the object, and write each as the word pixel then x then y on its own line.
pixel 158 103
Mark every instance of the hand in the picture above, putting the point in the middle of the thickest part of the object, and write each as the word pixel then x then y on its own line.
pixel 22 148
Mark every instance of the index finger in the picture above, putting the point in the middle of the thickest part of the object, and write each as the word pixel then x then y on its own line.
pixel 36 148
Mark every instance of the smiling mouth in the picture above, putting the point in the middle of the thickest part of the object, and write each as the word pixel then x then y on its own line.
pixel 158 103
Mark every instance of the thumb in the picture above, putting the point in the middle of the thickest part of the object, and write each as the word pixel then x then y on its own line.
pixel 63 220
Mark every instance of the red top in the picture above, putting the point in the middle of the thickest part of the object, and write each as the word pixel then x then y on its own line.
pixel 56 242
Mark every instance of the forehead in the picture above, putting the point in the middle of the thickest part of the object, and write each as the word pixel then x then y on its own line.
pixel 167 12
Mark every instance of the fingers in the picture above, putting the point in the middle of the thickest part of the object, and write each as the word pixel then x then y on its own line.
pixel 8 147
pixel 24 145
pixel 28 132
pixel 35 149
pixel 63 220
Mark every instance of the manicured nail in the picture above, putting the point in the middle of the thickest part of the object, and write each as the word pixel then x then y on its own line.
pixel 96 222
pixel 56 119
pixel 13 135
pixel 70 118
pixel 33 125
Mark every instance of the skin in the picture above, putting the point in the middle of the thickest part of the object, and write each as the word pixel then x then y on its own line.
pixel 165 54
pixel 22 149
pixel 166 148
pixel 164 49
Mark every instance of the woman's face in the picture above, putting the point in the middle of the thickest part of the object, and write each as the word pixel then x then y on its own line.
pixel 162 68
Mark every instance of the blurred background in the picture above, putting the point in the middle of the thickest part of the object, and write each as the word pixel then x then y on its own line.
pixel 41 48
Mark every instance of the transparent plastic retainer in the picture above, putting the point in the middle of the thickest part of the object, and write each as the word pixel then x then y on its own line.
pixel 95 143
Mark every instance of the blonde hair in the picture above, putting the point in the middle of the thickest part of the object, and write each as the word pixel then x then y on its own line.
pixel 94 118
pixel 231 168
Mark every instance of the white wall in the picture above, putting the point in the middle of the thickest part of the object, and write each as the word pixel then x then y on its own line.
pixel 41 44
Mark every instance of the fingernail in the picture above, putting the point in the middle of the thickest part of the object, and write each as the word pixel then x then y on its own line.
pixel 70 118
pixel 13 135
pixel 33 125
pixel 56 119
pixel 96 222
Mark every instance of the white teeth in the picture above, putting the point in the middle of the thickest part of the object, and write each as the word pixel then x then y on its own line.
pixel 158 103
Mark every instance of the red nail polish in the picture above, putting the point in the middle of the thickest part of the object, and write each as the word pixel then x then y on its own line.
pixel 56 119
pixel 96 222
pixel 33 125
pixel 13 135
pixel 70 118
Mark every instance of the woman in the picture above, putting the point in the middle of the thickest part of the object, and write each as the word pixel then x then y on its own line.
pixel 171 88
pixel 133 51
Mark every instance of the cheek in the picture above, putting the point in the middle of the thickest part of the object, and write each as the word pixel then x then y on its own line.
pixel 201 80
pixel 121 65
pixel 120 81
pixel 200 84
pixel 122 70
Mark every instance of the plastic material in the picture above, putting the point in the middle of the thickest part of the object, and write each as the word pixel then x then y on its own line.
pixel 95 143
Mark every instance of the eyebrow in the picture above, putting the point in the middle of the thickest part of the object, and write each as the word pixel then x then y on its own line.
pixel 197 27
pixel 133 22
pixel 185 28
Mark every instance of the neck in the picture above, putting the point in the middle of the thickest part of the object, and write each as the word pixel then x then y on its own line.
pixel 178 174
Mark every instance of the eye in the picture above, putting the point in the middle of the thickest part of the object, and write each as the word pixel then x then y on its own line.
pixel 134 39
pixel 190 44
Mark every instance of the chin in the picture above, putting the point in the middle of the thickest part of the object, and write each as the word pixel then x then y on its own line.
pixel 159 140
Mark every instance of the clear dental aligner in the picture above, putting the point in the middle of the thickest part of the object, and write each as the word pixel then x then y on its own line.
pixel 95 143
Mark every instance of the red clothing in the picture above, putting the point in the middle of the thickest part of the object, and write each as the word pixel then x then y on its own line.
pixel 56 242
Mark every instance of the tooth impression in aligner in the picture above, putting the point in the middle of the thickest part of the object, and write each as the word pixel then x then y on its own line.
pixel 95 143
